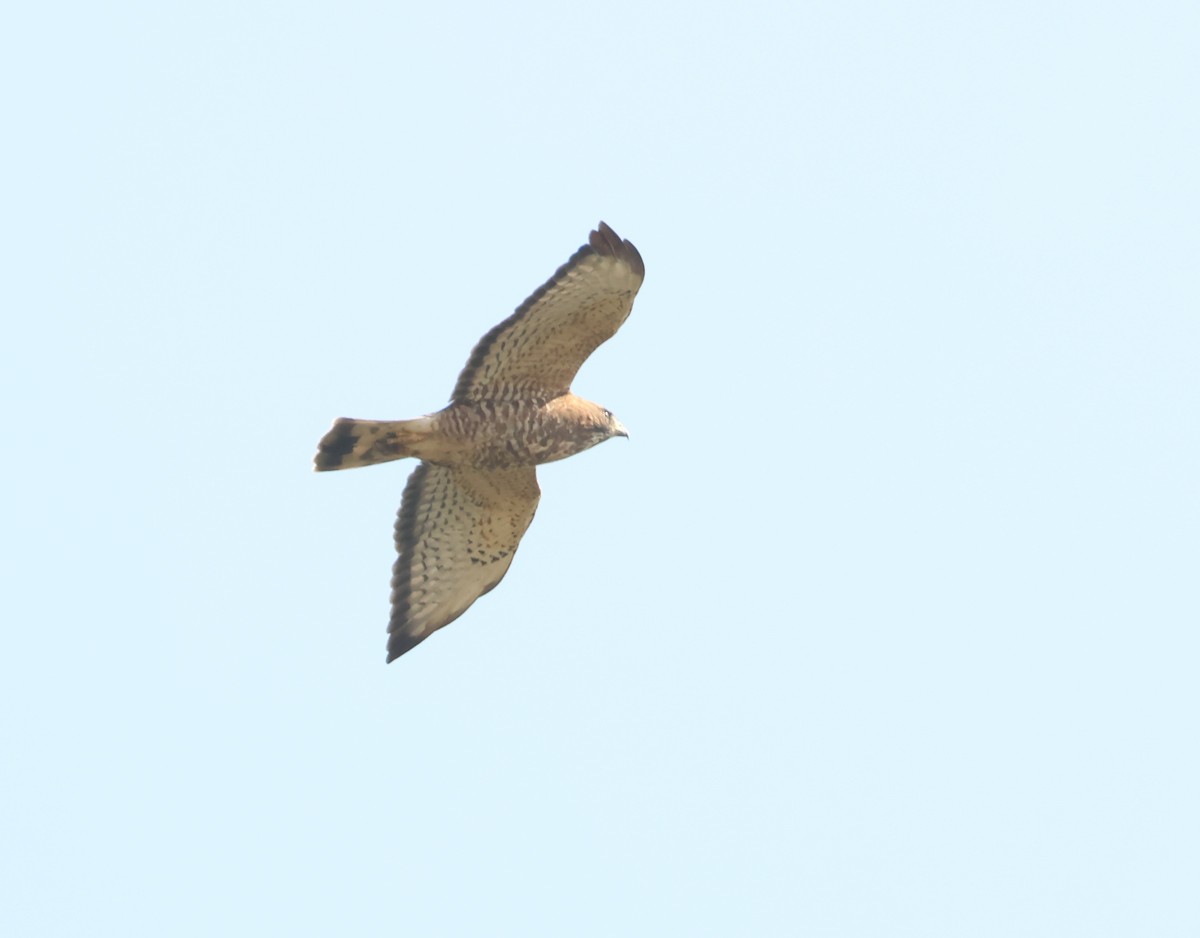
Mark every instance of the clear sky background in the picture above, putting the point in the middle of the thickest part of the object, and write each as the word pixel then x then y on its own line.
pixel 883 622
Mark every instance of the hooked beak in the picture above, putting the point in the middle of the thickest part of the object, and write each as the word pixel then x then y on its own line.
pixel 619 429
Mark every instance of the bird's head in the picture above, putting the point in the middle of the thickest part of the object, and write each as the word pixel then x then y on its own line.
pixel 613 427
pixel 594 424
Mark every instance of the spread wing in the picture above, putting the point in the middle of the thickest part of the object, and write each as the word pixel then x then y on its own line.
pixel 537 351
pixel 456 534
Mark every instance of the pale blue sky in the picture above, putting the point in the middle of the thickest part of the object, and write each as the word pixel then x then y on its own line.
pixel 883 622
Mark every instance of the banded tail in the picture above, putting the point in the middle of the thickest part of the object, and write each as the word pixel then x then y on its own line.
pixel 353 443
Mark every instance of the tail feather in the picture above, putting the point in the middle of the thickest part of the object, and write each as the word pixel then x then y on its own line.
pixel 352 443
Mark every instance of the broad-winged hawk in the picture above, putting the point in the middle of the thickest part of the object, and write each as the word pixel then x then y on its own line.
pixel 468 503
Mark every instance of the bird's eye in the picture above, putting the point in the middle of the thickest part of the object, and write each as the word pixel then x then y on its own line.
pixel 608 415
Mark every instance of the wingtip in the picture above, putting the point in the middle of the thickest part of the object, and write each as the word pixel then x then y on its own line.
pixel 399 644
pixel 606 241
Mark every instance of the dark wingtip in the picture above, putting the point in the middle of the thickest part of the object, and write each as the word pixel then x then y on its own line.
pixel 607 242
pixel 399 643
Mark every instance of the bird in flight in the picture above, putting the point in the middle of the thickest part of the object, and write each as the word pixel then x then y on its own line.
pixel 468 503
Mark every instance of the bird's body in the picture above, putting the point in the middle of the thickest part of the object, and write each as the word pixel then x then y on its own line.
pixel 467 505
pixel 481 434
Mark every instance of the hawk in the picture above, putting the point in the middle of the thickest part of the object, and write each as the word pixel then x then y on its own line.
pixel 468 503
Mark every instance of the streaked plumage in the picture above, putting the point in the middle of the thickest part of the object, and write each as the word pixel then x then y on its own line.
pixel 466 507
